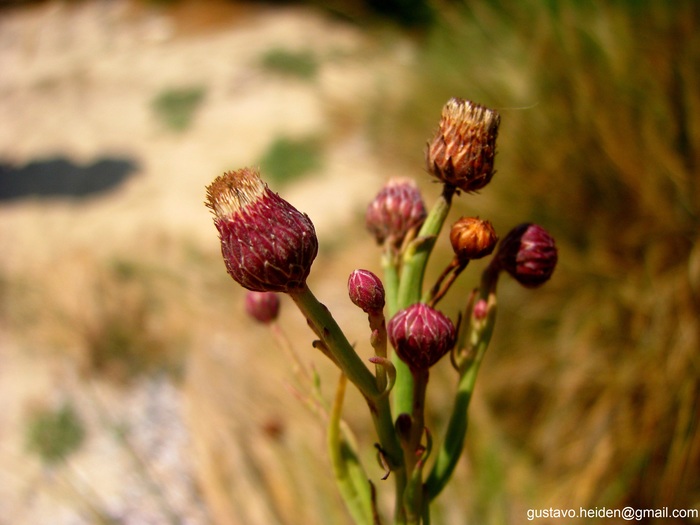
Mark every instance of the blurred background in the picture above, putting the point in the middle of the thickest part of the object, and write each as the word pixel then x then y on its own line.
pixel 133 388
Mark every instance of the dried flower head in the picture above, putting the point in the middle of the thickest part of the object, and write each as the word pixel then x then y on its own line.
pixel 472 238
pixel 421 335
pixel 264 307
pixel 267 244
pixel 366 291
pixel 397 208
pixel 528 253
pixel 462 152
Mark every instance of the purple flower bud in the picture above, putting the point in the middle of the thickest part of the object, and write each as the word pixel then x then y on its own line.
pixel 262 306
pixel 267 244
pixel 366 291
pixel 480 310
pixel 463 150
pixel 528 254
pixel 421 335
pixel 397 208
pixel 472 238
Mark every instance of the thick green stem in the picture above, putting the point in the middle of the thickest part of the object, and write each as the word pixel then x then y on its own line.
pixel 335 341
pixel 354 368
pixel 479 336
pixel 390 265
pixel 413 449
pixel 413 452
pixel 416 257
pixel 415 260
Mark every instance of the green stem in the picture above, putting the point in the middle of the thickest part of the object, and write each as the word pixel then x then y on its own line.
pixel 420 381
pixel 335 341
pixel 413 451
pixel 349 475
pixel 354 368
pixel 479 337
pixel 416 257
pixel 377 325
pixel 415 260
pixel 390 266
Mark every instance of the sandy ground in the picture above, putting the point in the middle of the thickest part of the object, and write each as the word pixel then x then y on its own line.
pixel 77 81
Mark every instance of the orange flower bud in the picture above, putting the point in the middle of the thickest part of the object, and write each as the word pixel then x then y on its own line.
pixel 472 238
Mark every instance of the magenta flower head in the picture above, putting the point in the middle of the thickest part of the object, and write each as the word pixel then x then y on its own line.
pixel 267 244
pixel 528 254
pixel 463 150
pixel 421 335
pixel 264 307
pixel 366 291
pixel 397 208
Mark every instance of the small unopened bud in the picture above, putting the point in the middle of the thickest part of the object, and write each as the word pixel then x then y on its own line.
pixel 472 238
pixel 528 254
pixel 268 245
pixel 366 291
pixel 421 335
pixel 397 208
pixel 264 307
pixel 462 152
pixel 480 310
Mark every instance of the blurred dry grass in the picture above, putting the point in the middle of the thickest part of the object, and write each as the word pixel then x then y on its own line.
pixel 589 394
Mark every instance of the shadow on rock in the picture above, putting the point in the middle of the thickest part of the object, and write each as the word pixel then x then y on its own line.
pixel 60 177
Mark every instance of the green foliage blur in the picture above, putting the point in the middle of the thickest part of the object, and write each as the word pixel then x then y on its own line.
pixel 299 64
pixel 287 159
pixel 55 434
pixel 175 107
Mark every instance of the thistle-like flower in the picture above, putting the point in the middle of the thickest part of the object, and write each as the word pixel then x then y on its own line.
pixel 528 253
pixel 472 238
pixel 462 152
pixel 267 244
pixel 397 208
pixel 264 307
pixel 366 291
pixel 421 335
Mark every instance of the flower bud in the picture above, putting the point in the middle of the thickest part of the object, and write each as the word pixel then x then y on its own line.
pixel 528 254
pixel 366 291
pixel 462 152
pixel 397 208
pixel 267 244
pixel 421 335
pixel 262 306
pixel 480 310
pixel 472 238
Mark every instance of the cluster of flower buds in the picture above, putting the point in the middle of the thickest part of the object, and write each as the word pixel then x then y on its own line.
pixel 269 246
